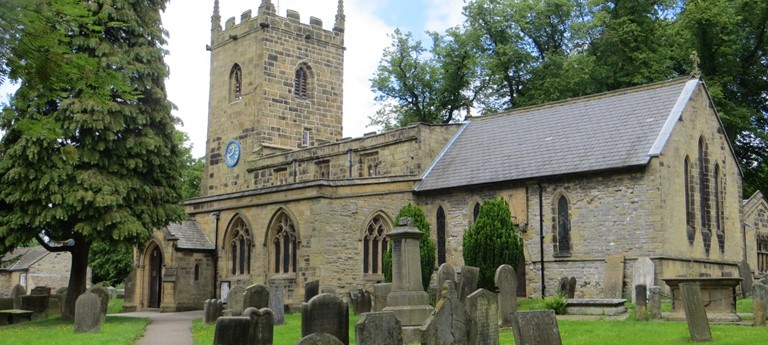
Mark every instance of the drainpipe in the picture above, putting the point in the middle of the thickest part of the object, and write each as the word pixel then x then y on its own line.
pixel 744 238
pixel 215 252
pixel 541 238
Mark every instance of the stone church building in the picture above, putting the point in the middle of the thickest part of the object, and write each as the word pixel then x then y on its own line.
pixel 640 172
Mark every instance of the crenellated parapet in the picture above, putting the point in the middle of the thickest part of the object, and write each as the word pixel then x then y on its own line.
pixel 267 21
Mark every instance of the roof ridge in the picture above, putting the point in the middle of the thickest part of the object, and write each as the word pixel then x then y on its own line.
pixel 580 99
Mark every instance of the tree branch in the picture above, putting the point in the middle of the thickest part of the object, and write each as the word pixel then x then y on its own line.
pixel 51 248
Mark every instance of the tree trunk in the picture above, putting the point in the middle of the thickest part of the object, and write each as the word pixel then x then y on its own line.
pixel 78 275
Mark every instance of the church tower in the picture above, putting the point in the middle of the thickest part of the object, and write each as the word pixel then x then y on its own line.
pixel 276 85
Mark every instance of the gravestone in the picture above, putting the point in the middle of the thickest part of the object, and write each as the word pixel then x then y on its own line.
pixel 562 287
pixel 62 291
pixel 482 306
pixel 641 302
pixel 613 276
pixel 54 305
pixel 16 292
pixel 764 280
pixel 361 301
pixel 41 290
pixel 643 272
pixel 655 302
pixel 112 292
pixel 506 281
pixel 276 304
pixel 449 323
pixel 236 300
pixel 232 330
pixel 319 339
pixel 88 313
pixel 380 292
pixel 212 309
pixel 378 329
pixel 311 289
pixel 328 289
pixel 538 328
pixel 468 281
pixel 103 297
pixel 38 304
pixel 571 292
pixel 6 303
pixel 256 296
pixel 695 314
pixel 745 273
pixel 261 326
pixel 130 290
pixel 759 303
pixel 444 273
pixel 326 313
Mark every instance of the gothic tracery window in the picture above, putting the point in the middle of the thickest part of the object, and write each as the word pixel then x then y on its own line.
pixel 235 83
pixel 689 207
pixel 719 221
pixel 240 244
pixel 284 244
pixel 563 227
pixel 375 245
pixel 704 196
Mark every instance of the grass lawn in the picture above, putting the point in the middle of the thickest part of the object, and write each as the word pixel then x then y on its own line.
pixel 572 332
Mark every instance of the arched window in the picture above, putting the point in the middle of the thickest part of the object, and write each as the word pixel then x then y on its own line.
pixel 704 196
pixel 235 83
pixel 197 271
pixel 301 82
pixel 240 243
pixel 440 236
pixel 719 222
pixel 689 207
pixel 375 245
pixel 563 243
pixel 284 244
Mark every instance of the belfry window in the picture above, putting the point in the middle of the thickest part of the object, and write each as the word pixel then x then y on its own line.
pixel 301 82
pixel 284 244
pixel 375 245
pixel 240 244
pixel 235 83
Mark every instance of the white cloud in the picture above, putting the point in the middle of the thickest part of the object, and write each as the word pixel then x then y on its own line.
pixel 443 14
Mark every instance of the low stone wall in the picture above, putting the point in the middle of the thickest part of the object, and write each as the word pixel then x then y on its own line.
pixel 596 306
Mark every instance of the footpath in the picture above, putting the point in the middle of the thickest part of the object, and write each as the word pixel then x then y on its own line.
pixel 166 328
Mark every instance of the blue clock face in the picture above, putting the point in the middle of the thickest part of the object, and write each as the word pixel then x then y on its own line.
pixel 232 153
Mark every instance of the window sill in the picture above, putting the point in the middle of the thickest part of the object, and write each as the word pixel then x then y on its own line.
pixel 373 277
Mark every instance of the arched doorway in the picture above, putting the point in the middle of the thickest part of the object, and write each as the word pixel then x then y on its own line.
pixel 155 278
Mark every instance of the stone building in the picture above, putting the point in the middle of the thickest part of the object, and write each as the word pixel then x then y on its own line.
pixel 35 266
pixel 640 172
pixel 756 233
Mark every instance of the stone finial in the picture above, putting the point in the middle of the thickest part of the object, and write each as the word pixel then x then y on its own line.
pixel 266 7
pixel 340 17
pixel 216 17
pixel 695 71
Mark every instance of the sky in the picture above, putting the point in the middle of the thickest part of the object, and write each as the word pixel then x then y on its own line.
pixel 367 24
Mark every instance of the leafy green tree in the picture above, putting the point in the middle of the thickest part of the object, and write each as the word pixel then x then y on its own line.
pixel 89 155
pixel 427 248
pixel 193 170
pixel 492 241
pixel 110 264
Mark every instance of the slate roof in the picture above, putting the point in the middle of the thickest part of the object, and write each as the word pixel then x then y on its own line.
pixel 613 130
pixel 189 235
pixel 24 258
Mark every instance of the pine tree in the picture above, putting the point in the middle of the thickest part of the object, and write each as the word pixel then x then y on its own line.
pixel 89 154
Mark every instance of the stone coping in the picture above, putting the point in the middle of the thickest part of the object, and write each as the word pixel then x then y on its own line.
pixel 595 302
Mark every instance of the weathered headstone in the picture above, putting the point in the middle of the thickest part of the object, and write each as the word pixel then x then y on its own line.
pixel 613 276
pixel 444 273
pixel 468 281
pixel 232 330
pixel 759 303
pixel 538 328
pixel 448 324
pixel 54 305
pixel 506 281
pixel 256 296
pixel 104 297
pixel 641 302
pixel 326 313
pixel 88 313
pixel 277 305
pixel 40 290
pixel 311 289
pixel 380 292
pixel 6 303
pixel 378 329
pixel 262 324
pixel 484 318
pixel 764 280
pixel 361 300
pixel 643 272
pixel 112 292
pixel 16 292
pixel 319 339
pixel 236 300
pixel 38 304
pixel 130 291
pixel 212 310
pixel 695 314
pixel 571 292
pixel 745 273
pixel 562 287
pixel 62 291
pixel 655 302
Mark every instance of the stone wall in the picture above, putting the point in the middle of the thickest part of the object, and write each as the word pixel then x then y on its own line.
pixel 190 294
pixel 52 271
